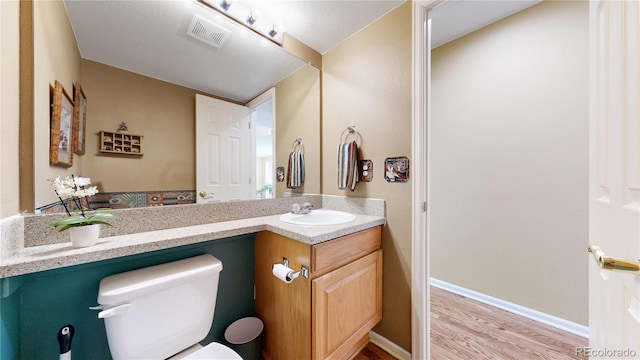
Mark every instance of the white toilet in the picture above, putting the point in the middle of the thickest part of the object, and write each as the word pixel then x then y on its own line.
pixel 163 311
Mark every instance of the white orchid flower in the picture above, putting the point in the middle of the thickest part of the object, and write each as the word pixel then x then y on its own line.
pixel 81 181
pixel 61 188
pixel 72 187
pixel 80 193
pixel 76 189
pixel 57 183
pixel 65 193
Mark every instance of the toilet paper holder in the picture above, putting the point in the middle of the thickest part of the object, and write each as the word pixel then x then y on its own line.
pixel 304 271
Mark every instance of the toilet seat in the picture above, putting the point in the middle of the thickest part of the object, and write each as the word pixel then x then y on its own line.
pixel 214 351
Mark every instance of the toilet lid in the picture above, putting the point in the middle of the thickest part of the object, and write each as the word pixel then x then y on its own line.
pixel 214 351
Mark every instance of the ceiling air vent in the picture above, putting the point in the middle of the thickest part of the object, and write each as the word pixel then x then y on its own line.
pixel 206 31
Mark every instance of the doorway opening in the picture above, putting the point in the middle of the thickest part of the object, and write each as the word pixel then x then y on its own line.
pixel 263 118
pixel 466 174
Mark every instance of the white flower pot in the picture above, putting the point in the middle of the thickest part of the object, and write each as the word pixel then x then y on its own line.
pixel 82 236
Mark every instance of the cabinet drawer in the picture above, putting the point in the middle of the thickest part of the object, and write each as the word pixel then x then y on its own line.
pixel 332 254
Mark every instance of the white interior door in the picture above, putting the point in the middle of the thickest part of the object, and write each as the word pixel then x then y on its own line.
pixel 223 151
pixel 614 211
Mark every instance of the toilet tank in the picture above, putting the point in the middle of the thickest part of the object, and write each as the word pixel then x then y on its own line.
pixel 158 311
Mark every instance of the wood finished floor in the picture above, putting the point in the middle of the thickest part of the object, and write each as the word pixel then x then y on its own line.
pixel 462 328
pixel 373 352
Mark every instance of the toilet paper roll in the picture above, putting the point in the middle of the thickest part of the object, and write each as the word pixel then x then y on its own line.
pixel 283 273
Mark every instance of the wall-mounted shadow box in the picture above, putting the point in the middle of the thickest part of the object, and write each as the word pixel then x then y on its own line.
pixel 120 143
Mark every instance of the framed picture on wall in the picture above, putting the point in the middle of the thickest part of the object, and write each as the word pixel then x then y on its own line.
pixel 396 169
pixel 61 148
pixel 79 119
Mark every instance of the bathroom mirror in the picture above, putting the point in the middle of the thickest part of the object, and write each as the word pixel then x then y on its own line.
pixel 159 108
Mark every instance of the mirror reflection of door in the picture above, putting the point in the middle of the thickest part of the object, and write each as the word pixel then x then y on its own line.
pixel 223 151
pixel 263 108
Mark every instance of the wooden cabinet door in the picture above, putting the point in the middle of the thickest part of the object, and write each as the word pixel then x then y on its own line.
pixel 347 303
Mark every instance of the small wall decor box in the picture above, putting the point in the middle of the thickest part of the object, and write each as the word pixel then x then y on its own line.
pixel 280 173
pixel 120 143
pixel 396 169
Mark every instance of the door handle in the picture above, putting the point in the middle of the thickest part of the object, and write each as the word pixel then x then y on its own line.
pixel 203 194
pixel 118 310
pixel 614 263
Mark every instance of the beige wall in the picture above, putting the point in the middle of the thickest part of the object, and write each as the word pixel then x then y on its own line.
pixel 56 57
pixel 367 83
pixel 298 116
pixel 9 107
pixel 162 112
pixel 510 160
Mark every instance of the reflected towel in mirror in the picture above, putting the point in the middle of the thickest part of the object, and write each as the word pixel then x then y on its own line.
pixel 295 172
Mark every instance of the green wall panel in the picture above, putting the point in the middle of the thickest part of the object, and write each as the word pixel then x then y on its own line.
pixel 45 301
pixel 9 319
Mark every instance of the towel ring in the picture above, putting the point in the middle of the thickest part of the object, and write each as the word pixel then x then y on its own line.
pixel 297 143
pixel 350 130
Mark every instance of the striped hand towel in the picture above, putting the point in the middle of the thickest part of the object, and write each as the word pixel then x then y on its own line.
pixel 295 171
pixel 348 166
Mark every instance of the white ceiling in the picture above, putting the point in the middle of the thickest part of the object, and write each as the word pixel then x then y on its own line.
pixel 150 37
pixel 457 18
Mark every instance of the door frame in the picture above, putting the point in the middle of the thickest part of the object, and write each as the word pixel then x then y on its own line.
pixel 421 87
pixel 420 242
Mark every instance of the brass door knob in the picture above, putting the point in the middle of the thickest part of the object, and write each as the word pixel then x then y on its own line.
pixel 614 263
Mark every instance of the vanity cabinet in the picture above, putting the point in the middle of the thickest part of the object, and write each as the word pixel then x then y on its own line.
pixel 347 303
pixel 329 314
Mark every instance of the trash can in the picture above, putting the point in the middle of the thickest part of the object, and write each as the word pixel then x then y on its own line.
pixel 244 336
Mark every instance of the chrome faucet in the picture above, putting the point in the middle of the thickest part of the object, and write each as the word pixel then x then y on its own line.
pixel 297 209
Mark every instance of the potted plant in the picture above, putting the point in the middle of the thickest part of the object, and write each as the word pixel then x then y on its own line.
pixel 267 190
pixel 84 229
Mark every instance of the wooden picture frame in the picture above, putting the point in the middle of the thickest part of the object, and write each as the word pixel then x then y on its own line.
pixel 61 145
pixel 79 119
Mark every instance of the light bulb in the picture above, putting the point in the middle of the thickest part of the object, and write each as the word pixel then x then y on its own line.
pixel 250 19
pixel 225 4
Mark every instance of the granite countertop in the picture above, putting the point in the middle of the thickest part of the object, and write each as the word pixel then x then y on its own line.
pixel 52 256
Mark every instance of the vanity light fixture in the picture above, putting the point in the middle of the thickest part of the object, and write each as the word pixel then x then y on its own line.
pixel 246 17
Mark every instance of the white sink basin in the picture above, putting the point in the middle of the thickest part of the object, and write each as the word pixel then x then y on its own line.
pixel 319 217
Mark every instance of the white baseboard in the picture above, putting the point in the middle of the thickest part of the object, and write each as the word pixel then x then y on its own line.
pixel 554 321
pixel 389 346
